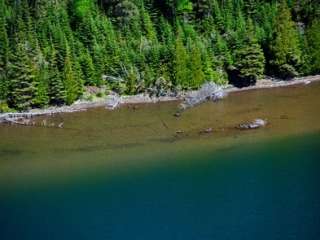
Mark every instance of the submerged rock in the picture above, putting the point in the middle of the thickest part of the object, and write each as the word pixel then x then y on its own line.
pixel 257 123
pixel 208 91
pixel 206 131
pixel 177 114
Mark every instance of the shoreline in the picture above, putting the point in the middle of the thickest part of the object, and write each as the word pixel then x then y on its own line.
pixel 81 105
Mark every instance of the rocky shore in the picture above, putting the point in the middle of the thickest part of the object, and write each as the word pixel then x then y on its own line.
pixel 191 98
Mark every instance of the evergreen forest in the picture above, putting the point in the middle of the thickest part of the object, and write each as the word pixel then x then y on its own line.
pixel 50 50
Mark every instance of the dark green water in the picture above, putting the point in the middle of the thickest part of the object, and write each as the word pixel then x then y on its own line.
pixel 127 174
pixel 266 191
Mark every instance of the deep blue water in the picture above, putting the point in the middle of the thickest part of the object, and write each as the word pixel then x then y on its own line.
pixel 265 191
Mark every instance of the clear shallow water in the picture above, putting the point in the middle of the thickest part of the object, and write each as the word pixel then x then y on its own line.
pixel 126 174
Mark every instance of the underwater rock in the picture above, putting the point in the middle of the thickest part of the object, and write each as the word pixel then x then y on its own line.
pixel 177 114
pixel 206 131
pixel 257 123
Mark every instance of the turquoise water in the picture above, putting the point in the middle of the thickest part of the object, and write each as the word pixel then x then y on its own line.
pixel 268 190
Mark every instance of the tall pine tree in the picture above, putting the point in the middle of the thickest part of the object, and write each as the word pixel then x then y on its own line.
pixel 313 47
pixel 56 92
pixel 197 75
pixel 285 49
pixel 4 53
pixel 249 59
pixel 22 77
pixel 181 70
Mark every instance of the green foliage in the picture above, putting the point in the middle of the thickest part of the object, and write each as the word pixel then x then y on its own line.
pixel 197 75
pixel 4 107
pixel 184 6
pixel 71 84
pixel 285 48
pixel 125 11
pixel 50 49
pixel 250 60
pixel 89 72
pixel 22 78
pixel 83 7
pixel 56 92
pixel 313 47
pixel 4 54
pixel 181 69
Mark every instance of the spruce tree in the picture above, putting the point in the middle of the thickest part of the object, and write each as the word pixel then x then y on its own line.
pixel 56 92
pixel 250 7
pixel 184 42
pixel 41 73
pixel 22 77
pixel 313 47
pixel 184 8
pixel 148 27
pixel 181 70
pixel 4 54
pixel 88 69
pixel 79 77
pixel 70 81
pixel 249 59
pixel 286 53
pixel 213 69
pixel 197 75
pixel 217 15
pixel 99 63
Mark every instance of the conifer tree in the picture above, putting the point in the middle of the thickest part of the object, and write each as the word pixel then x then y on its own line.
pixel 181 70
pixel 99 62
pixel 88 69
pixel 79 77
pixel 56 92
pixel 181 42
pixel 197 75
pixel 313 49
pixel 217 15
pixel 4 53
pixel 250 7
pixel 148 26
pixel 286 53
pixel 213 70
pixel 70 80
pixel 250 60
pixel 22 77
pixel 59 40
pixel 41 73
pixel 83 8
pixel 184 8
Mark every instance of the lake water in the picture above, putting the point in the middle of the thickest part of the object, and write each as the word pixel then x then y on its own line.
pixel 128 174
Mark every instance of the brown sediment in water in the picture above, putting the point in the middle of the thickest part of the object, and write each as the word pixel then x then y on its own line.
pixel 129 138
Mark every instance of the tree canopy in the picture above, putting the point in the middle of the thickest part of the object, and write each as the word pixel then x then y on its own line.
pixel 51 49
